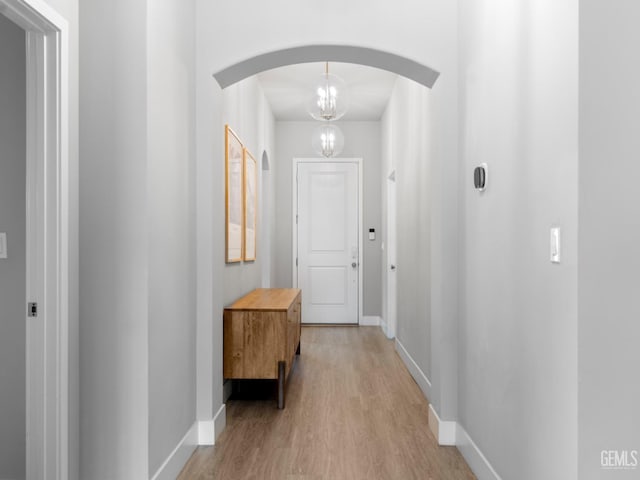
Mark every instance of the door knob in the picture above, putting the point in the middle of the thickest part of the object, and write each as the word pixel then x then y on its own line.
pixel 392 267
pixel 354 265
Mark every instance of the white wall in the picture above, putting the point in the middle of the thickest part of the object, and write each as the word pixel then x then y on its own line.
pixel 245 109
pixel 209 215
pixel 608 302
pixel 362 140
pixel 137 232
pixel 417 31
pixel 12 269
pixel 171 223
pixel 114 260
pixel 267 211
pixel 518 312
pixel 408 139
pixel 247 112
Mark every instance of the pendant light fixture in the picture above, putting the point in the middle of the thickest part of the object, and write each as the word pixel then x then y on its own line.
pixel 327 140
pixel 328 101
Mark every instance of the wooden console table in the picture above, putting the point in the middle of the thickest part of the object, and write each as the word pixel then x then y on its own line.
pixel 262 336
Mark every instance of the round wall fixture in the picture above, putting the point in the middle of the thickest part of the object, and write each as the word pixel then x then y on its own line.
pixel 480 177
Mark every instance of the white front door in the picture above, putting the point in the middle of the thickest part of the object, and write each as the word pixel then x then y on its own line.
pixel 328 257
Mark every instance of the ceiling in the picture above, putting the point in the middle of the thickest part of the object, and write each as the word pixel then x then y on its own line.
pixel 288 88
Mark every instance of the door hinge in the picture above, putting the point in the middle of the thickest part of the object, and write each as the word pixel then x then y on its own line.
pixel 296 261
pixel 32 309
pixel 296 219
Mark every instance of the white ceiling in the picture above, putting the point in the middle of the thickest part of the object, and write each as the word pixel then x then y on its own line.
pixel 288 88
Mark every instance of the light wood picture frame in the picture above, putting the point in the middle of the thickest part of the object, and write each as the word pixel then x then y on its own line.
pixel 234 193
pixel 250 206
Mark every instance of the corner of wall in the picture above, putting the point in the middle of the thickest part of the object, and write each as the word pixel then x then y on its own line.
pixel 416 372
pixel 370 321
pixel 176 460
pixel 208 431
pixel 478 463
pixel 444 431
pixel 219 422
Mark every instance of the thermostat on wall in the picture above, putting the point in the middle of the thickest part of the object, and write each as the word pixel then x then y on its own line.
pixel 480 177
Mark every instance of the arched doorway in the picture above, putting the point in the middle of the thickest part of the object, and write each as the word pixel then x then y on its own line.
pixel 334 53
pixel 441 346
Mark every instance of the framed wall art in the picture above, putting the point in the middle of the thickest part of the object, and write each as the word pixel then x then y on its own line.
pixel 250 206
pixel 234 196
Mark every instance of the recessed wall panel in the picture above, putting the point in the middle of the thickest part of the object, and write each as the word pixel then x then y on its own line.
pixel 328 285
pixel 328 217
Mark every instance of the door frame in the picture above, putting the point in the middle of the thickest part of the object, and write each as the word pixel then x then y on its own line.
pixel 391 314
pixel 294 226
pixel 47 182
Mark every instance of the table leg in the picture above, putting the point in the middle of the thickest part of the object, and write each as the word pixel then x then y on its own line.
pixel 281 379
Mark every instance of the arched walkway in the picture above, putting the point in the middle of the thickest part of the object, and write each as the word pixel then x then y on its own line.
pixel 443 349
pixel 333 53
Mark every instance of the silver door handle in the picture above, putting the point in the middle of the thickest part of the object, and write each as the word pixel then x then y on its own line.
pixel 354 265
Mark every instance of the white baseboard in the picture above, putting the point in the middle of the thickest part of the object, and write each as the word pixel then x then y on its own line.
pixel 219 421
pixel 383 326
pixel 210 430
pixel 369 321
pixel 415 371
pixel 206 432
pixel 443 430
pixel 474 457
pixel 174 463
pixel 447 432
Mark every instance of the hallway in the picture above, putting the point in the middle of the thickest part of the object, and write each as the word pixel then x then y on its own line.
pixel 352 412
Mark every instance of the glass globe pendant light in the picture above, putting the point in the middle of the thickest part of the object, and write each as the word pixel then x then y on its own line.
pixel 329 100
pixel 327 140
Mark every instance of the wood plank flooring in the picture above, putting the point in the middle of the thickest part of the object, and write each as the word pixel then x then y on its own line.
pixel 353 412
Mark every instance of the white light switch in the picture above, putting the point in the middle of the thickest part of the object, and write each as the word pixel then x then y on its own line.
pixel 554 244
pixel 3 245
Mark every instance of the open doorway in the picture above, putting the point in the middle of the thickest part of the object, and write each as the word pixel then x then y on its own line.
pixel 293 130
pixel 43 309
pixel 13 261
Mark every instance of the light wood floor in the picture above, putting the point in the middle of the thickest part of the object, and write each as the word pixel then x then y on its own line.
pixel 352 412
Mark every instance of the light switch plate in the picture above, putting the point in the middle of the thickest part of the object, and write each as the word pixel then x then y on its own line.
pixel 554 245
pixel 3 245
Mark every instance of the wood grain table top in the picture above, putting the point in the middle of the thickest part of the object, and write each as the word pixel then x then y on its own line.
pixel 266 299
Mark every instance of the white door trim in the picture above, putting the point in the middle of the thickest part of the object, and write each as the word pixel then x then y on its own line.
pixel 294 229
pixel 47 236
pixel 391 257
